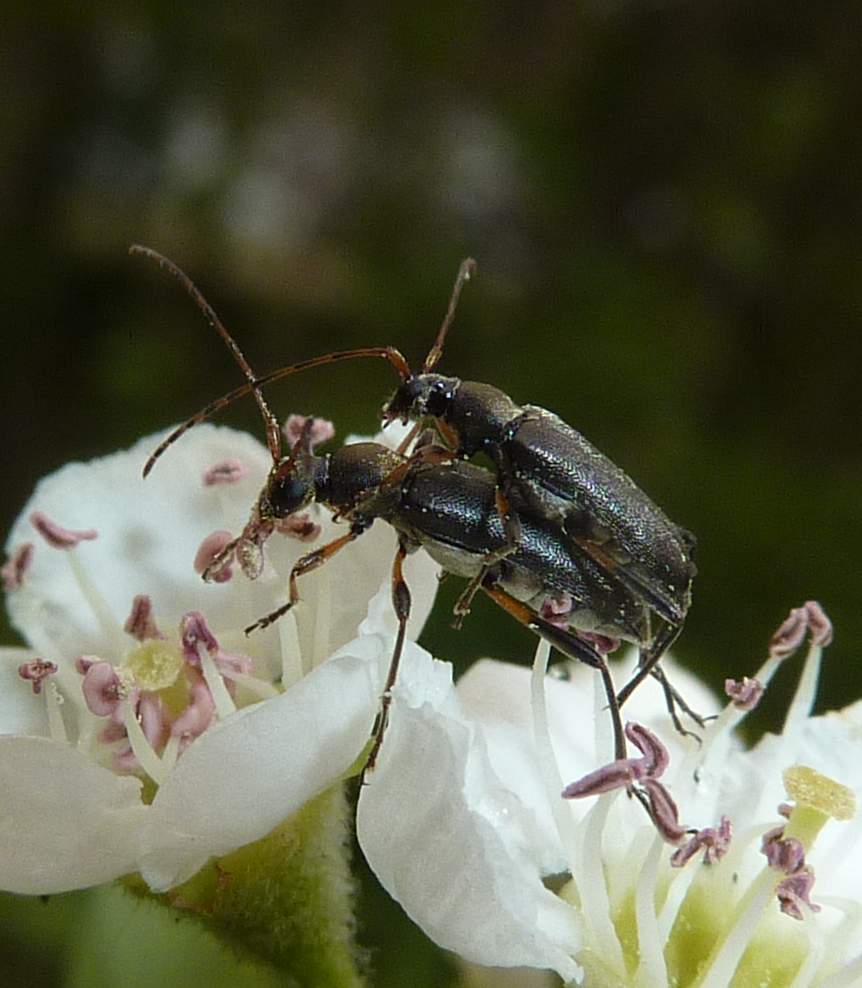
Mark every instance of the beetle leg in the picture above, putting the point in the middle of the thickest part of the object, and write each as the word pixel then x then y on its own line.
pixel 568 644
pixel 649 667
pixel 306 564
pixel 674 700
pixel 450 436
pixel 649 658
pixel 401 604
pixel 512 525
pixel 512 531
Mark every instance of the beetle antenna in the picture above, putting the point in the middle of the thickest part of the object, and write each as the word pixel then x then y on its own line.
pixel 388 353
pixel 273 434
pixel 465 273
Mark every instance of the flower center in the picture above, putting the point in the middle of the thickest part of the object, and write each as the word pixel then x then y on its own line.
pixel 728 933
pixel 154 664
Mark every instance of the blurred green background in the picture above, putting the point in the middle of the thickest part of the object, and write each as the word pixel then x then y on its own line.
pixel 664 202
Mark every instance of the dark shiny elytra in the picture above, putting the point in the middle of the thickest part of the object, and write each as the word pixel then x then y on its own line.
pixel 547 468
pixel 454 505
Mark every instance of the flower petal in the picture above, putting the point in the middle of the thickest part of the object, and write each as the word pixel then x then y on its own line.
pixel 148 534
pixel 245 775
pixel 65 822
pixel 449 842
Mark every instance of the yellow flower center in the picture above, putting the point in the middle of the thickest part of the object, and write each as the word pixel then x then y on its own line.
pixel 154 664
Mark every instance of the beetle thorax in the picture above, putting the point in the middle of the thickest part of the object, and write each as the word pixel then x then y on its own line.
pixel 422 395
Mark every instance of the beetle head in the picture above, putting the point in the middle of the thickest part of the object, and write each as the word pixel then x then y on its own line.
pixel 289 489
pixel 421 395
pixel 292 482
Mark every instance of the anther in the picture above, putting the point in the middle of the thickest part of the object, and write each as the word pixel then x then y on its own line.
pixel 556 609
pixel 208 554
pixel 56 536
pixel 102 689
pixel 616 775
pixel 663 812
pixel 193 631
pixel 322 430
pixel 140 623
pixel 603 644
pixel 227 471
pixel 299 526
pixel 15 568
pixel 656 756
pixel 818 623
pixel 744 693
pixel 795 890
pixel 36 671
pixel 713 841
pixel 198 715
pixel 785 854
pixel 623 772
pixel 790 634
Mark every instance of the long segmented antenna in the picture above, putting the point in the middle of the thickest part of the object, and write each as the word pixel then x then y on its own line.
pixel 465 273
pixel 273 434
pixel 388 353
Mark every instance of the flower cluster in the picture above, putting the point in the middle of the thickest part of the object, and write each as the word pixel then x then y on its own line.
pixel 143 731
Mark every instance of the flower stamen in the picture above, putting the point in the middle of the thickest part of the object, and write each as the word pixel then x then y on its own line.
pixel 320 431
pixel 58 537
pixel 214 556
pixel 227 471
pixel 15 568
pixel 36 671
pixel 140 623
pixel 744 693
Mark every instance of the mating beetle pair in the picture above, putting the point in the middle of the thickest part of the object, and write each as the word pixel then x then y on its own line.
pixel 558 535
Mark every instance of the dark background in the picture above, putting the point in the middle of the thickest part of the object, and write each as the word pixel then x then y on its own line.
pixel 663 199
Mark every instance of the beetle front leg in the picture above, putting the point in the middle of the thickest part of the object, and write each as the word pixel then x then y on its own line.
pixel 401 602
pixel 306 564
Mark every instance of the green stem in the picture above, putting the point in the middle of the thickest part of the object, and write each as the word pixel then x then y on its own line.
pixel 286 899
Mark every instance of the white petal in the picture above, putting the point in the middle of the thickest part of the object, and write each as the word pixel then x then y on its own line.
pixel 65 823
pixel 149 532
pixel 348 582
pixel 21 711
pixel 449 842
pixel 497 694
pixel 245 775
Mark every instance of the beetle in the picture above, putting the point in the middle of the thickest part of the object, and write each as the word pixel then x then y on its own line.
pixel 450 508
pixel 543 467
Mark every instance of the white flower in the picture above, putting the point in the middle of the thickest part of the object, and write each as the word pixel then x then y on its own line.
pixel 492 863
pixel 142 730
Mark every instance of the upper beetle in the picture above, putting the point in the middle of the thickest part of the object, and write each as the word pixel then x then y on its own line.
pixel 546 467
